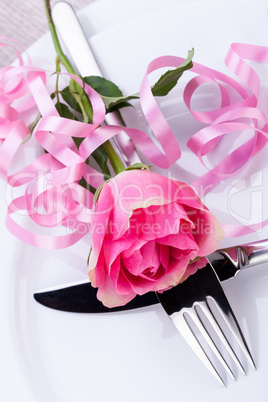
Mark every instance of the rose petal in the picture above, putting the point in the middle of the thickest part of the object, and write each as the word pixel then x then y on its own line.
pixel 108 295
pixel 133 262
pixel 180 242
pixel 159 221
pixel 100 219
pixel 137 244
pixel 207 232
pixel 112 249
pixel 136 189
pixel 120 281
pixel 193 268
pixel 152 228
pixel 164 255
pixel 97 275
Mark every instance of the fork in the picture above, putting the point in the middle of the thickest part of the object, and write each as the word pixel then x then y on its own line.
pixel 194 299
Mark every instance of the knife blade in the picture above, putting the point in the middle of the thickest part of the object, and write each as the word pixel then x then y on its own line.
pixel 82 297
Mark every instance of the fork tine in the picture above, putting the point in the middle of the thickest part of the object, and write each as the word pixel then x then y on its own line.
pixel 220 333
pixel 195 316
pixel 183 327
pixel 198 289
pixel 227 313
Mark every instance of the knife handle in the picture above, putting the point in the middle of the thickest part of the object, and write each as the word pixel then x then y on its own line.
pixel 246 255
pixel 75 41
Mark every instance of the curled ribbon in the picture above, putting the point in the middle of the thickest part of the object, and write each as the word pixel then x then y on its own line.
pixel 53 196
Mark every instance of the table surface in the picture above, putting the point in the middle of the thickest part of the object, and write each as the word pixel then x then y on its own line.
pixel 15 23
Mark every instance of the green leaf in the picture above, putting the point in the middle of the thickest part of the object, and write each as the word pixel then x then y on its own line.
pixel 64 111
pixel 138 166
pixel 70 100
pixel 168 80
pixel 113 107
pixel 86 185
pixel 117 103
pixel 112 96
pixel 104 87
pixel 101 157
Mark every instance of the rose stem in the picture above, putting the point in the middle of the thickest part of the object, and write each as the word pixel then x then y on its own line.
pixel 84 101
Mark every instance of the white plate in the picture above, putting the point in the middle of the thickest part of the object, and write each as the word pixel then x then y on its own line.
pixel 55 356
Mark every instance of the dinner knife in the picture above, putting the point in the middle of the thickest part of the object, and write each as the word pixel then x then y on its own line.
pixel 77 46
pixel 81 297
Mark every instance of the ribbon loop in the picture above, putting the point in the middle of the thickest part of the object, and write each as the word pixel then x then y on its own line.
pixel 53 195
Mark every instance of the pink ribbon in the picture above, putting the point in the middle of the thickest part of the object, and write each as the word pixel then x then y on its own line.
pixel 53 196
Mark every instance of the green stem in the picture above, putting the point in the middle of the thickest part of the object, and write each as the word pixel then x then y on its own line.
pixel 114 158
pixel 55 39
pixel 81 98
pixel 32 125
pixel 58 70
pixel 82 101
pixel 79 94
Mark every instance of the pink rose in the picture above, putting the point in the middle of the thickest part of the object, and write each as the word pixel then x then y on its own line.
pixel 148 234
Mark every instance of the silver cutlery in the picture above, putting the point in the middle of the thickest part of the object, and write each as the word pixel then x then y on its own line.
pixel 185 299
pixel 199 297
pixel 80 297
pixel 189 306
pixel 205 291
